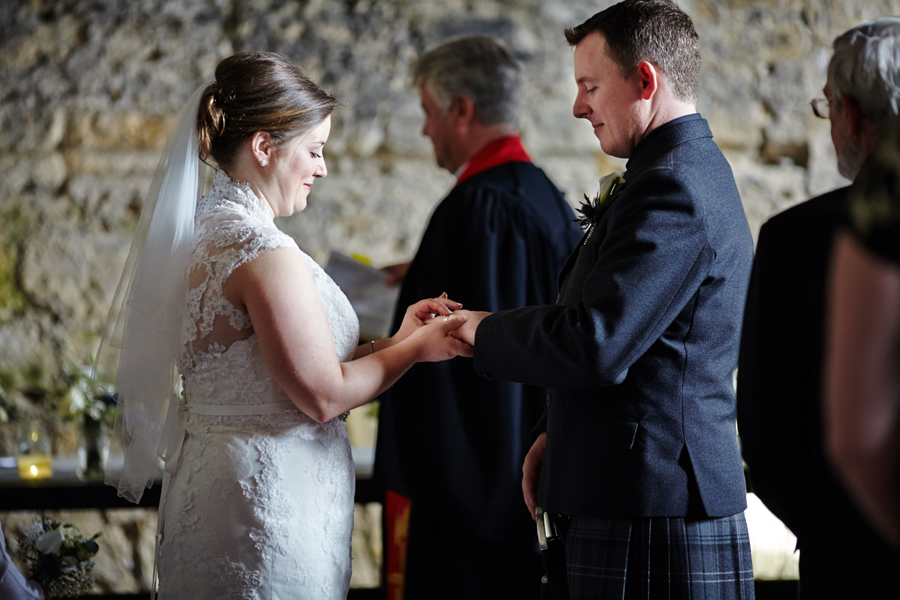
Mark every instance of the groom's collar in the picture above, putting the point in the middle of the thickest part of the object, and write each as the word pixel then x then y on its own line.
pixel 655 135
pixel 663 138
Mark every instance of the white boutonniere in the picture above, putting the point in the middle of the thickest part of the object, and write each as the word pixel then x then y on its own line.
pixel 590 211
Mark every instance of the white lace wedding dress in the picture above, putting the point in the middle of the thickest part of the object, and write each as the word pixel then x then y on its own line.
pixel 261 505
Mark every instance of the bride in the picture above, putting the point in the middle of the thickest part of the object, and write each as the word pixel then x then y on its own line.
pixel 257 499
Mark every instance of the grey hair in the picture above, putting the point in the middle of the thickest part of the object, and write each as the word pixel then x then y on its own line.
pixel 866 67
pixel 477 67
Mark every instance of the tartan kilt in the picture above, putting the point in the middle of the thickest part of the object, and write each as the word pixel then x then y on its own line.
pixel 659 557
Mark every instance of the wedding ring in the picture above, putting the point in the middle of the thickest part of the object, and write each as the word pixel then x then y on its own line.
pixel 446 317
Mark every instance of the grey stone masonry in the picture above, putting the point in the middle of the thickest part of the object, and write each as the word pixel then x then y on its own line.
pixel 90 88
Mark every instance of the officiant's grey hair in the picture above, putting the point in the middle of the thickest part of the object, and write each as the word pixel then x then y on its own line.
pixel 477 67
pixel 866 68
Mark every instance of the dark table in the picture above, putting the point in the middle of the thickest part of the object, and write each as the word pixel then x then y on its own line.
pixel 64 491
pixel 73 494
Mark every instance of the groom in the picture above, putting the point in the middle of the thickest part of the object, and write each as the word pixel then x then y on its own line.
pixel 636 454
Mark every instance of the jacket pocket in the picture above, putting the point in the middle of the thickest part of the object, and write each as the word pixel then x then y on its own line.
pixel 581 428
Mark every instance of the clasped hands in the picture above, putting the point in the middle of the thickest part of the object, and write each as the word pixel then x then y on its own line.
pixel 459 325
pixel 441 311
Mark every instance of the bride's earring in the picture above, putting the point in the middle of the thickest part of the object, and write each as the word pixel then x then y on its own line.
pixel 263 162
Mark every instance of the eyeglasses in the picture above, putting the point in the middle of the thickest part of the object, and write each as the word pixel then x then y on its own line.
pixel 820 107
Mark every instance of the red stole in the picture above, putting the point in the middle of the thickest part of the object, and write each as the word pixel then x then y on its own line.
pixel 498 152
pixel 396 510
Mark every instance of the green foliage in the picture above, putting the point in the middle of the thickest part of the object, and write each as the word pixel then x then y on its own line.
pixel 8 410
pixel 11 298
pixel 34 376
pixel 372 410
pixel 7 381
pixel 13 227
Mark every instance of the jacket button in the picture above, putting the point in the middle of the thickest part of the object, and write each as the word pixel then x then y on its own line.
pixel 549 399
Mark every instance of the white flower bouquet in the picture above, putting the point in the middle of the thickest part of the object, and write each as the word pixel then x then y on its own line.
pixel 59 557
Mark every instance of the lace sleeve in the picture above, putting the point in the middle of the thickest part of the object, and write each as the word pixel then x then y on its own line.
pixel 222 246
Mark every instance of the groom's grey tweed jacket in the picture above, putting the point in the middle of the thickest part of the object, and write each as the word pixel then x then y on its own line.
pixel 640 349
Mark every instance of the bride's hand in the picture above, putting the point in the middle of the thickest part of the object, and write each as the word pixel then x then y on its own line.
pixel 435 342
pixel 421 312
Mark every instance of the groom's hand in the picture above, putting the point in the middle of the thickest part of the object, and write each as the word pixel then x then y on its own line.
pixel 423 312
pixel 466 332
pixel 531 471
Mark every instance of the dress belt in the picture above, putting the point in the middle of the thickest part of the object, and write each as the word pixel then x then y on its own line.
pixel 174 429
pixel 241 409
pixel 173 441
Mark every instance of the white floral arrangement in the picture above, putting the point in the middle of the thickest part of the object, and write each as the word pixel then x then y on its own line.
pixel 59 557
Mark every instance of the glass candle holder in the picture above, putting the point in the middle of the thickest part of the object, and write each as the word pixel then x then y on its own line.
pixel 34 459
pixel 93 448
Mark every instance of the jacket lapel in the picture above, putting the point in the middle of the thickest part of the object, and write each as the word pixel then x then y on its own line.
pixel 660 141
pixel 567 267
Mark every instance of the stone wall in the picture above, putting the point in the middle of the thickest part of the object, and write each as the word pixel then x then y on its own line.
pixel 90 88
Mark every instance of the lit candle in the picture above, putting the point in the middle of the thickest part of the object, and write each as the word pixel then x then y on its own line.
pixel 34 459
pixel 35 466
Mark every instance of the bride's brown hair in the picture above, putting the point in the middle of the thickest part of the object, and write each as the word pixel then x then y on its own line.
pixel 257 91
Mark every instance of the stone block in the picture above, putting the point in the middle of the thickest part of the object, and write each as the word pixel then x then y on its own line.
pixel 366 546
pixel 25 359
pixel 72 274
pixel 768 189
pixel 131 131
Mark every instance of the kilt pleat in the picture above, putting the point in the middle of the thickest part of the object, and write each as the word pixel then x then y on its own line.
pixel 659 557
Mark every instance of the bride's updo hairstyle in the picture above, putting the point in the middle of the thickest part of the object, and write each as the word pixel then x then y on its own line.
pixel 257 91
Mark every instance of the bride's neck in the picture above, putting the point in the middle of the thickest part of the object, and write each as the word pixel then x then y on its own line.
pixel 248 171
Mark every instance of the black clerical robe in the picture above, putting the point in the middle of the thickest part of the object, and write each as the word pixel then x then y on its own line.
pixel 450 440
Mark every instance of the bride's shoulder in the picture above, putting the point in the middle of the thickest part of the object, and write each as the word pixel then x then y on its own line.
pixel 229 233
pixel 234 227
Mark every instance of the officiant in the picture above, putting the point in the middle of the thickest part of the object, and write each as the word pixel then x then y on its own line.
pixel 449 441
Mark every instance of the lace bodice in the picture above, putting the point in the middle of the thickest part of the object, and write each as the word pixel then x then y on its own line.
pixel 234 226
pixel 261 502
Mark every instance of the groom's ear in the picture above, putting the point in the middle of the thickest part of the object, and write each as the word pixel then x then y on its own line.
pixel 649 76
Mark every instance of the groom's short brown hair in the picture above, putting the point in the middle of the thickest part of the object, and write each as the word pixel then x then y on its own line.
pixel 656 31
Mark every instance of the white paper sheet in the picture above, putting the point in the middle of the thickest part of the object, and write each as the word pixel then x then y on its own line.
pixel 365 287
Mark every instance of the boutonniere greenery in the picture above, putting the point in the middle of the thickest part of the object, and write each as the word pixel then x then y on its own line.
pixel 590 211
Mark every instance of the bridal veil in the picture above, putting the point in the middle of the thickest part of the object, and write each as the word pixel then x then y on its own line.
pixel 147 314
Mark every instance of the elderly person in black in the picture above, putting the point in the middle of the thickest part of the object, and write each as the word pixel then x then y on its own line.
pixel 863 360
pixel 783 341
